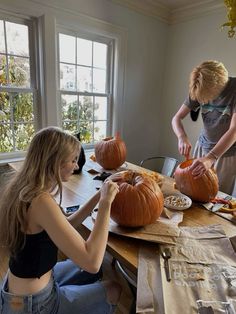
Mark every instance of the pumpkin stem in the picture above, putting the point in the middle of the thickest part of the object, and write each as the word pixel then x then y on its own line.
pixel 107 139
pixel 117 135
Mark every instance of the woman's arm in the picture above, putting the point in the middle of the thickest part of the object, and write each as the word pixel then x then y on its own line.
pixel 80 215
pixel 84 211
pixel 87 254
pixel 201 165
pixel 184 144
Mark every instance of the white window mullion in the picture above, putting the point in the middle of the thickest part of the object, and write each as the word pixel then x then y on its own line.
pixel 78 111
pixel 110 81
pixel 93 116
pixel 17 89
pixel 7 67
pixel 92 69
pixel 12 119
pixel 76 64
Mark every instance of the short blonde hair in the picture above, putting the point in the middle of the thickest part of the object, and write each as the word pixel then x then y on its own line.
pixel 207 80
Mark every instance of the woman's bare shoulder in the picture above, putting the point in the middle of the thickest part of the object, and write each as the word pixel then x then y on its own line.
pixel 39 207
pixel 43 197
pixel 44 211
pixel 44 202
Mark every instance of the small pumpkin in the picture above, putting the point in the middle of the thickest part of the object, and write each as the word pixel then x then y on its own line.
pixel 110 153
pixel 139 201
pixel 202 189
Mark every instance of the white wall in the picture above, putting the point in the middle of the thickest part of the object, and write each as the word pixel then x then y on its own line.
pixel 146 47
pixel 189 44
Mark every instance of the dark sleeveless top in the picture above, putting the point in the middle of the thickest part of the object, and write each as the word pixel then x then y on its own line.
pixel 37 257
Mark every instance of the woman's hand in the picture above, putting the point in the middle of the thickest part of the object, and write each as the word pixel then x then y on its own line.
pixel 201 165
pixel 116 177
pixel 184 146
pixel 108 191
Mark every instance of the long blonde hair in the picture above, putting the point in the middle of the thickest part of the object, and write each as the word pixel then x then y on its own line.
pixel 207 81
pixel 40 172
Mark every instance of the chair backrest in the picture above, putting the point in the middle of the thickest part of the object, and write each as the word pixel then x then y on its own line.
pixel 162 164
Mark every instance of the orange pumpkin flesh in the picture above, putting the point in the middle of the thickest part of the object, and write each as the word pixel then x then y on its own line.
pixel 110 153
pixel 202 189
pixel 139 202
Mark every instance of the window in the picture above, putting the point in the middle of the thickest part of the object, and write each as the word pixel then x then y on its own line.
pixel 17 86
pixel 85 86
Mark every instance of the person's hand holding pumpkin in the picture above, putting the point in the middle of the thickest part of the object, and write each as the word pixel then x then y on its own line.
pixel 201 165
pixel 108 191
pixel 117 177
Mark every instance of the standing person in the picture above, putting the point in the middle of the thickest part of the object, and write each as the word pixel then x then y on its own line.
pixel 33 226
pixel 211 90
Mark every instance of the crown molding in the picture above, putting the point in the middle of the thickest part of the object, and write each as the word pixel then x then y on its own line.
pixel 149 7
pixel 161 12
pixel 193 11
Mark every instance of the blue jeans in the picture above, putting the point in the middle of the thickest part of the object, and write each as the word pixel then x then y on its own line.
pixel 70 290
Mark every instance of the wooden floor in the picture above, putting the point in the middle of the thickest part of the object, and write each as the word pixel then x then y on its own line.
pixel 109 272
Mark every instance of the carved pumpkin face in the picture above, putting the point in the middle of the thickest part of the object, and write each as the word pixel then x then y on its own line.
pixel 110 153
pixel 139 202
pixel 202 189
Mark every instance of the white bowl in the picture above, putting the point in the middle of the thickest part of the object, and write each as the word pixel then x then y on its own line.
pixel 177 202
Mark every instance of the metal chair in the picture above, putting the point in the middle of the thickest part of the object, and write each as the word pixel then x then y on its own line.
pixel 162 164
pixel 131 280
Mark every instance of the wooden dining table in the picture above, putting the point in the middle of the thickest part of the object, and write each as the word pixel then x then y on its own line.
pixel 81 187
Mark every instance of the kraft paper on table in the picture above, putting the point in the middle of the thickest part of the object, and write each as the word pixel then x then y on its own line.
pixel 164 230
pixel 203 266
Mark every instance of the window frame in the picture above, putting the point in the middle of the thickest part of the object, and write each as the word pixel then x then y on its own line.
pixel 34 75
pixel 110 42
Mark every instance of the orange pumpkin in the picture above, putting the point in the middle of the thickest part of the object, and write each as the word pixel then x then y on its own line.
pixel 139 202
pixel 202 189
pixel 110 153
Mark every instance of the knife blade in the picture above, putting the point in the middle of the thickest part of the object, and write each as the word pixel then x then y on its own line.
pixel 216 207
pixel 221 203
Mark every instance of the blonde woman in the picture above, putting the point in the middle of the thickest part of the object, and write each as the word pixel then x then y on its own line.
pixel 214 92
pixel 33 226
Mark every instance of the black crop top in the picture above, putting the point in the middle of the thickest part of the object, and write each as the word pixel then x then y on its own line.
pixel 37 257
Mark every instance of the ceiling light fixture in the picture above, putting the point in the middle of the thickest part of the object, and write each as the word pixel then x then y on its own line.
pixel 231 7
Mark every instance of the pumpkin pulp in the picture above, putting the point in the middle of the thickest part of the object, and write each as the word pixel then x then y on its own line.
pixel 186 163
